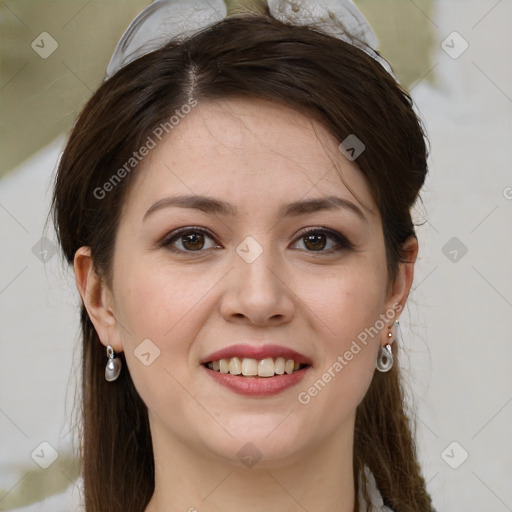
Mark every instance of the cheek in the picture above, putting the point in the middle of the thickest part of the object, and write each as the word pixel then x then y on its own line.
pixel 160 311
pixel 346 302
pixel 341 380
pixel 157 301
pixel 348 310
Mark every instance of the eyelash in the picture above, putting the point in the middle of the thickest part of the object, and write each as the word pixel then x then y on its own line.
pixel 341 242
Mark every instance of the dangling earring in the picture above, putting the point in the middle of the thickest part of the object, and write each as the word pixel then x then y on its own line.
pixel 385 357
pixel 113 367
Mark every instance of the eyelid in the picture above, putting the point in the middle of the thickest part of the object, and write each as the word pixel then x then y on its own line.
pixel 342 240
pixel 177 233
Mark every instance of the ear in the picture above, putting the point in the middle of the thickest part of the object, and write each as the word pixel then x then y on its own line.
pixel 399 289
pixel 97 299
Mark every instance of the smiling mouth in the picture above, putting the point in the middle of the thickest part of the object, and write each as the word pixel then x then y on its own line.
pixel 248 367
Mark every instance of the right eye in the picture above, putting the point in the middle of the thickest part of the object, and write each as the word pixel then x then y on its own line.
pixel 189 239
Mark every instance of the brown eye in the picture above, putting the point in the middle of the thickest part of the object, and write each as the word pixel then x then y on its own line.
pixel 315 241
pixel 189 240
pixel 324 241
pixel 193 241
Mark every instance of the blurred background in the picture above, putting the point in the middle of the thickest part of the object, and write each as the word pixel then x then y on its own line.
pixel 454 57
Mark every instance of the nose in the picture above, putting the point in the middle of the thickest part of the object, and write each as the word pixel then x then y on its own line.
pixel 258 292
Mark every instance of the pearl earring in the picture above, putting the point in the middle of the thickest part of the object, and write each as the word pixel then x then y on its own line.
pixel 113 367
pixel 385 357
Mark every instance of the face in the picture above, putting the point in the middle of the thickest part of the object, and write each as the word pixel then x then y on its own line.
pixel 243 267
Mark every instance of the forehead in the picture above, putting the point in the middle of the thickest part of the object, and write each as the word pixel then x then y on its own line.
pixel 249 150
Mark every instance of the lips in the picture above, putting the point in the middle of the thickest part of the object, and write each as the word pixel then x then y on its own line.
pixel 257 386
pixel 256 352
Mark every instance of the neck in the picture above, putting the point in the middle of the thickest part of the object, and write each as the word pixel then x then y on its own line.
pixel 185 480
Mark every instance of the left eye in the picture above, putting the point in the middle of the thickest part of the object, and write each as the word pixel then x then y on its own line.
pixel 315 240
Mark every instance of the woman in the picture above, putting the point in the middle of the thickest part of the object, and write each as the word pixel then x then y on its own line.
pixel 236 204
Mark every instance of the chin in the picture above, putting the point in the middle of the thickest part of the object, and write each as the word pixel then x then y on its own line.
pixel 265 442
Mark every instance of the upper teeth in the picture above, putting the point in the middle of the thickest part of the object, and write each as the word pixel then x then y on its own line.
pixel 251 367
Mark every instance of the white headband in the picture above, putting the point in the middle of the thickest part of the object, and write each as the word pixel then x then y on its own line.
pixel 164 20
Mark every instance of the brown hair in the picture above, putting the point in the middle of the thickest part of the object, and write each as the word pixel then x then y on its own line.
pixel 335 83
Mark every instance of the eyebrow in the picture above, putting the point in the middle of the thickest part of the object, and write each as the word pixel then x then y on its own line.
pixel 211 205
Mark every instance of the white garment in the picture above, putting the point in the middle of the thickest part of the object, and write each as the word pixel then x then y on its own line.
pixel 70 500
pixel 375 497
